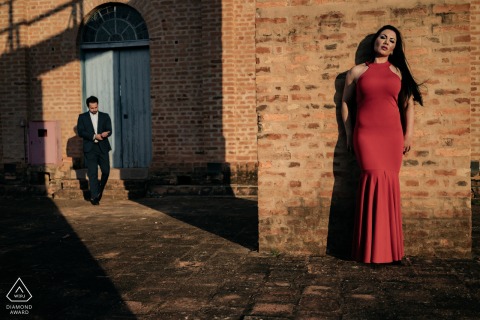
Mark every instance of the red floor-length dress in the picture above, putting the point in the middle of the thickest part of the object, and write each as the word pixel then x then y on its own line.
pixel 378 143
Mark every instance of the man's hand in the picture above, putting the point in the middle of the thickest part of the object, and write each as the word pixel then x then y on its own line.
pixel 105 134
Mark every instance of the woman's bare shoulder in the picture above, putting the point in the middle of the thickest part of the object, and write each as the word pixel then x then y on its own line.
pixel 358 70
pixel 396 70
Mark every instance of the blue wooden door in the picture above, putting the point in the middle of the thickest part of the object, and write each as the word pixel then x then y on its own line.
pixel 120 78
pixel 134 84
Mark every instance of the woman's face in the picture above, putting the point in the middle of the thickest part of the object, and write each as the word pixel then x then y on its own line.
pixel 385 43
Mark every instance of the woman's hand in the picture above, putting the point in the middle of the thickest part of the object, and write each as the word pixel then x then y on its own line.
pixel 409 118
pixel 407 144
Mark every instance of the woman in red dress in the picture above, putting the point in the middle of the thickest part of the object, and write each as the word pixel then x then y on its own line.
pixel 385 94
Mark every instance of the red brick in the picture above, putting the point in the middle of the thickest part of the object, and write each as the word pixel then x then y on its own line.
pixel 375 13
pixel 452 172
pixel 295 184
pixel 448 8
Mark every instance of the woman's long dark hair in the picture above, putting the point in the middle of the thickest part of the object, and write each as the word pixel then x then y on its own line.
pixel 410 87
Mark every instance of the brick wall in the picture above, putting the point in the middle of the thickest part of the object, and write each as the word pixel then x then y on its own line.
pixel 202 79
pixel 13 81
pixel 307 181
pixel 212 63
pixel 54 68
pixel 204 87
pixel 475 76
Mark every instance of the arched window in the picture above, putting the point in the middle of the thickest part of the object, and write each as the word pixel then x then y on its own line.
pixel 114 25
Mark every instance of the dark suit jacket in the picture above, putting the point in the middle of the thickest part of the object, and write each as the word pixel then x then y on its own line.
pixel 85 130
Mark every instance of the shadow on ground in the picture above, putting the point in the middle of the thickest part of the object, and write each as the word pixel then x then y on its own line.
pixel 154 259
pixel 476 229
pixel 234 219
pixel 38 245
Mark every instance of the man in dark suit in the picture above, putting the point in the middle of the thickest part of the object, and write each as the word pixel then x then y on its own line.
pixel 95 127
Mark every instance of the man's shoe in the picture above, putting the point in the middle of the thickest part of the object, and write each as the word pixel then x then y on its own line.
pixel 95 201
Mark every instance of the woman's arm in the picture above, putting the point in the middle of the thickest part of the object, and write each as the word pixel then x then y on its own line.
pixel 348 92
pixel 409 122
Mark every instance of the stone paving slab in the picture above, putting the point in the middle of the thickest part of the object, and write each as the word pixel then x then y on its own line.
pixel 197 258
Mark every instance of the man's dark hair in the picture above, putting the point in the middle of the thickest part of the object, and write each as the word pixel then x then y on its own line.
pixel 92 99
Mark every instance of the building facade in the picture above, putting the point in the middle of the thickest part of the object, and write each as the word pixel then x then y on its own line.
pixel 248 93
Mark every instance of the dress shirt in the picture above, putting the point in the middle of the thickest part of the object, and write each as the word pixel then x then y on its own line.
pixel 94 118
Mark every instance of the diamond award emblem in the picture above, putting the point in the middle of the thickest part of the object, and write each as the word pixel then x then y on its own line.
pixel 19 292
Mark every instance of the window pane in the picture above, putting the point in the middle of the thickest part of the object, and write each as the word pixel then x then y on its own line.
pixel 115 23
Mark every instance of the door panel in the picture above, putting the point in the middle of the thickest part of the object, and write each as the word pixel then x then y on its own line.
pixel 99 80
pixel 121 81
pixel 135 105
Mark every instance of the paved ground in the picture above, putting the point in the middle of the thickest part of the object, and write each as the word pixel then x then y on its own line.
pixel 195 258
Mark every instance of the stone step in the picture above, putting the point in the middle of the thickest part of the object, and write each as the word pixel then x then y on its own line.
pixel 75 184
pixel 128 189
pixel 107 194
pixel 115 174
pixel 115 189
pixel 23 190
pixel 112 184
pixel 154 190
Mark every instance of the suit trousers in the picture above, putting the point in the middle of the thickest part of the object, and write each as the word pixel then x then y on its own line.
pixel 93 159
